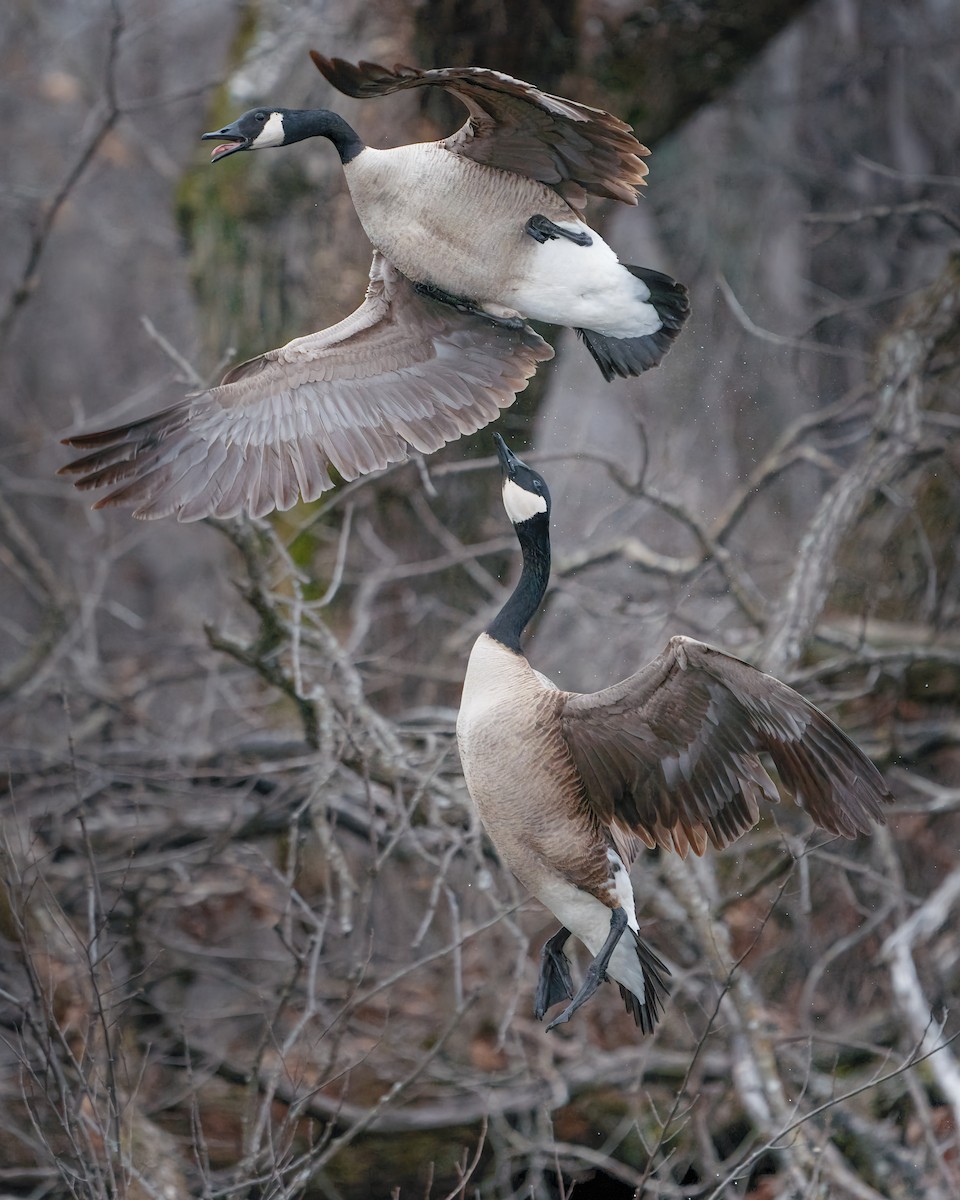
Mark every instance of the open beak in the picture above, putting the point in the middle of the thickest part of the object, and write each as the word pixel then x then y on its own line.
pixel 230 139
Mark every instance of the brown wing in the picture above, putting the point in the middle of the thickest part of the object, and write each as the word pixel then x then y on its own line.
pixel 671 754
pixel 402 370
pixel 571 147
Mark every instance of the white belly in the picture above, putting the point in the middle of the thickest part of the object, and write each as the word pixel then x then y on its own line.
pixel 589 920
pixel 583 287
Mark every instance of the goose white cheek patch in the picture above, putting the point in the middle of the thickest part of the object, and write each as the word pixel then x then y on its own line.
pixel 520 504
pixel 271 134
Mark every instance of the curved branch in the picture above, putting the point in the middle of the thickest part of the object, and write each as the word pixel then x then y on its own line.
pixel 894 445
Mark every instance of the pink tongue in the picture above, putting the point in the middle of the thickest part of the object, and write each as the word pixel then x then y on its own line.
pixel 217 149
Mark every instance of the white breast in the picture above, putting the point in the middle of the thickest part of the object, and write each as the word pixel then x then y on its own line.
pixel 496 689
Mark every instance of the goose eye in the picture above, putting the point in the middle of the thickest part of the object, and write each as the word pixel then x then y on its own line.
pixel 261 116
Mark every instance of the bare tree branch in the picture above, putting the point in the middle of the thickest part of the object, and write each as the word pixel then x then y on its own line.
pixel 30 274
pixel 894 444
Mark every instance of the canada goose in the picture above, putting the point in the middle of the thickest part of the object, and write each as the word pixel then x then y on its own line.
pixel 404 369
pixel 472 234
pixel 569 786
pixel 491 218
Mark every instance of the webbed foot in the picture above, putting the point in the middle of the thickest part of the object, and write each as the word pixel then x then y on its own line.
pixel 461 304
pixel 597 971
pixel 554 984
pixel 542 229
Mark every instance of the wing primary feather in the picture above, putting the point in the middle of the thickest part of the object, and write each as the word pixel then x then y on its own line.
pixel 670 755
pixel 400 371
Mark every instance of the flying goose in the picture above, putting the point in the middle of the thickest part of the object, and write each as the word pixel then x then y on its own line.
pixel 492 216
pixel 403 370
pixel 472 234
pixel 570 786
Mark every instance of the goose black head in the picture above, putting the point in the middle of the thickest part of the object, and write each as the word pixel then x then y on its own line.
pixel 525 491
pixel 263 127
pixel 256 129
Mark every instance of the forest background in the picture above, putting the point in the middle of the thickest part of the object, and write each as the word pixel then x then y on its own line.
pixel 253 942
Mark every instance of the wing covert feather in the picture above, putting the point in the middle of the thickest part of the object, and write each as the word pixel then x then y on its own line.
pixel 513 126
pixel 671 755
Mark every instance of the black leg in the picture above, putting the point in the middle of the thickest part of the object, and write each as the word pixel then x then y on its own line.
pixel 597 971
pixel 467 306
pixel 433 292
pixel 542 229
pixel 554 984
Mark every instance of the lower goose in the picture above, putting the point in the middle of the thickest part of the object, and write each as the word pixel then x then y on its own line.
pixel 570 786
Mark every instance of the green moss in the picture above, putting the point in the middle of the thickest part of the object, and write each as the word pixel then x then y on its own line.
pixel 227 217
pixel 233 218
pixel 886 563
pixel 230 217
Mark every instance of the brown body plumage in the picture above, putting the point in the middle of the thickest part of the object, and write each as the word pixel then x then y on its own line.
pixel 570 786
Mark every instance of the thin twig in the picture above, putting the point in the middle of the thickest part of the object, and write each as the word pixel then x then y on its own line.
pixel 779 339
pixel 884 212
pixel 30 274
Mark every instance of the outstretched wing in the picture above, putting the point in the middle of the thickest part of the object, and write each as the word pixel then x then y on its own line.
pixel 403 370
pixel 571 147
pixel 670 755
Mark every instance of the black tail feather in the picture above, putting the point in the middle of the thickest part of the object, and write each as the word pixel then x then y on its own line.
pixel 669 298
pixel 647 1012
pixel 627 356
pixel 634 355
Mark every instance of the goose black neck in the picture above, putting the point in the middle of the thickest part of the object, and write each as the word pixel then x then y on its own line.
pixel 508 625
pixel 300 123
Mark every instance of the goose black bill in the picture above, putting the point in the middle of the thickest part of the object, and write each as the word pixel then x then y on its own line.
pixel 231 140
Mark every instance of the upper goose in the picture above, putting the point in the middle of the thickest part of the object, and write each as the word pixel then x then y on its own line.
pixel 569 786
pixel 492 216
pixel 471 234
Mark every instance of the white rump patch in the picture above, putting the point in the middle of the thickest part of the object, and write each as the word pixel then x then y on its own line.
pixel 271 134
pixel 520 504
pixel 623 888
